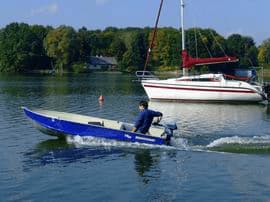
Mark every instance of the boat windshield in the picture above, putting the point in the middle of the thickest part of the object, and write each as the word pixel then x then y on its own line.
pixel 203 78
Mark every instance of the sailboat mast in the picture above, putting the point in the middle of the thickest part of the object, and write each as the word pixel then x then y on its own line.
pixel 182 24
pixel 183 31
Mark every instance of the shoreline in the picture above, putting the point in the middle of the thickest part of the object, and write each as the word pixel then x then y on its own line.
pixel 163 74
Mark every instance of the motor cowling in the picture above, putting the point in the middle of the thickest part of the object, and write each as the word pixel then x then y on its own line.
pixel 266 89
pixel 169 128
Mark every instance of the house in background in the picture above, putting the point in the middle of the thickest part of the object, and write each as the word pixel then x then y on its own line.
pixel 102 63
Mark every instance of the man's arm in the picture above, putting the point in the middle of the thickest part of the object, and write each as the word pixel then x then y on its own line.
pixel 158 114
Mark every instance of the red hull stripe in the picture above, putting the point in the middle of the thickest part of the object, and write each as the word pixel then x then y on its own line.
pixel 201 89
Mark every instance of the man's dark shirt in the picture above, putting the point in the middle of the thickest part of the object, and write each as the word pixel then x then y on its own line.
pixel 144 120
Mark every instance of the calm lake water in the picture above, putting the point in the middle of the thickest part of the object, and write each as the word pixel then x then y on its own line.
pixel 221 152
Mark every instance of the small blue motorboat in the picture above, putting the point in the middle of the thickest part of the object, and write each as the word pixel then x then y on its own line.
pixel 63 124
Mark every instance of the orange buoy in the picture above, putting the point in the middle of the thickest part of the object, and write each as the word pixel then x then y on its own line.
pixel 101 98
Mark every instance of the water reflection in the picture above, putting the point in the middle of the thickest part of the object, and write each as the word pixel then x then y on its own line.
pixel 216 119
pixel 220 127
pixel 44 85
pixel 267 112
pixel 144 162
pixel 60 152
pixel 73 93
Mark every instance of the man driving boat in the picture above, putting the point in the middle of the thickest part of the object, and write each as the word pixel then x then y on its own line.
pixel 144 119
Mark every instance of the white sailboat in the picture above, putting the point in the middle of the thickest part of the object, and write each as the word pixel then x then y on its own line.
pixel 205 87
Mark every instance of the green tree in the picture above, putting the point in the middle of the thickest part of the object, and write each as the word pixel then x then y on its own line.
pixel 104 40
pixel 205 43
pixel 117 48
pixel 84 39
pixel 94 42
pixel 264 53
pixel 166 51
pixel 134 57
pixel 40 58
pixel 244 48
pixel 63 46
pixel 21 48
pixel 100 42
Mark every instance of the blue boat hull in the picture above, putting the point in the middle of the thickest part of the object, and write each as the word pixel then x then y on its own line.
pixel 57 127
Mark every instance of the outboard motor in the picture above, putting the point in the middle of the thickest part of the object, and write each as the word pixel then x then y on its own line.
pixel 168 130
pixel 266 89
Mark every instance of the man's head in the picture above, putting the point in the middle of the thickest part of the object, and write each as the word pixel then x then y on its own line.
pixel 143 105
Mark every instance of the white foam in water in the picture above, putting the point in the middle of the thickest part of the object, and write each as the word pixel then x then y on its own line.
pixel 92 141
pixel 180 143
pixel 240 140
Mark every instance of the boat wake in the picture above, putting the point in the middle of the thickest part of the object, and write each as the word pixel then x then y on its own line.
pixel 92 141
pixel 78 141
pixel 236 144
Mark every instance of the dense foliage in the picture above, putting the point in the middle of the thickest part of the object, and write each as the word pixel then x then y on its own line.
pixel 27 48
pixel 21 48
pixel 264 53
pixel 63 46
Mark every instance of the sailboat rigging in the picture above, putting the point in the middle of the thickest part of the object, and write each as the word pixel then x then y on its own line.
pixel 153 37
pixel 144 75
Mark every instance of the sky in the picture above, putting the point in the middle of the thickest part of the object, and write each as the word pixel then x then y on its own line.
pixel 245 17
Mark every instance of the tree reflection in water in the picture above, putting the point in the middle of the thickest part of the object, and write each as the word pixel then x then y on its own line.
pixel 144 163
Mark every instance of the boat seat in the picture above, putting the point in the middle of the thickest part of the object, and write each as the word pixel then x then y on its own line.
pixel 97 123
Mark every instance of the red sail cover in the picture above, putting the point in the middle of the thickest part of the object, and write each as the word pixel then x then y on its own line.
pixel 188 61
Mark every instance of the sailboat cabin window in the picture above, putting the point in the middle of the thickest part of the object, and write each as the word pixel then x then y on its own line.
pixel 201 79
